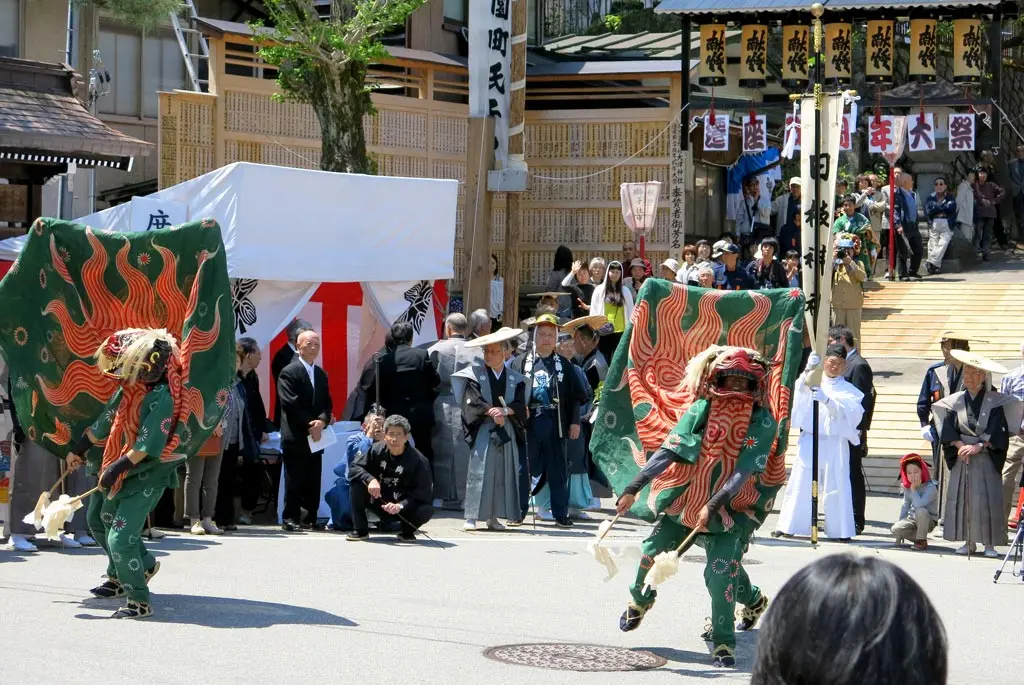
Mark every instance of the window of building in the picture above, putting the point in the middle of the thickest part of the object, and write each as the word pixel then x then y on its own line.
pixel 139 68
pixel 10 27
pixel 456 9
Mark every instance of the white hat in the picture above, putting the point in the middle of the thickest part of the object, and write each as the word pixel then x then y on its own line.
pixel 796 181
pixel 672 264
pixel 495 338
pixel 977 361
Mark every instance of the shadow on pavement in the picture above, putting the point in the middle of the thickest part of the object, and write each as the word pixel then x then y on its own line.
pixel 746 644
pixel 226 612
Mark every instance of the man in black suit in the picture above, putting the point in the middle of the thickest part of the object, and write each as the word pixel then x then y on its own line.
pixel 284 356
pixel 408 385
pixel 858 373
pixel 305 413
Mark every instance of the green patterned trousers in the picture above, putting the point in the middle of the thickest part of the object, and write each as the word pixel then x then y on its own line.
pixel 117 526
pixel 726 579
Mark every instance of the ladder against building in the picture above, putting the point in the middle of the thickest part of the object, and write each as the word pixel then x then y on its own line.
pixel 194 48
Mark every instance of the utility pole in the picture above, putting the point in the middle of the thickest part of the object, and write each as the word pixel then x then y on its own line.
pixel 517 160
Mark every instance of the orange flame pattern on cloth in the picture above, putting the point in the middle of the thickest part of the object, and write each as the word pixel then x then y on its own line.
pixel 147 304
pixel 656 380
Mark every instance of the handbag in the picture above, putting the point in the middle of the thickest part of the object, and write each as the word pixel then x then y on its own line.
pixel 211 448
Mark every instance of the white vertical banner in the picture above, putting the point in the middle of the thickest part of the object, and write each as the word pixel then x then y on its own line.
pixel 819 173
pixel 410 301
pixel 263 308
pixel 490 68
pixel 677 175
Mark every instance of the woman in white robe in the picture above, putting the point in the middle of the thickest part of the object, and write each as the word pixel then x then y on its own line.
pixel 839 414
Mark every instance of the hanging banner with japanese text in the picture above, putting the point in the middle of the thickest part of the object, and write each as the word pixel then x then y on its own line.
pixel 793 128
pixel 921 132
pixel 490 68
pixel 755 133
pixel 818 179
pixel 716 132
pixel 846 136
pixel 882 132
pixel 961 132
pixel 677 174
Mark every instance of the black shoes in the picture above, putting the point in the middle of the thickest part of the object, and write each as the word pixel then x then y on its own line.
pixel 109 590
pixel 356 536
pixel 133 610
pixel 291 527
pixel 407 537
pixel 631 617
pixel 564 522
pixel 750 615
pixel 319 526
pixel 723 657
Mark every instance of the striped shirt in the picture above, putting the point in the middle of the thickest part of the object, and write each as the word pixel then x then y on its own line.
pixel 1013 383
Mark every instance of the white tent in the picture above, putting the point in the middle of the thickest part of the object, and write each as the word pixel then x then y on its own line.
pixel 289 224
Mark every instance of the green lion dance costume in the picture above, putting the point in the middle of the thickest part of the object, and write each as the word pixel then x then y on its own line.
pixel 693 428
pixel 118 355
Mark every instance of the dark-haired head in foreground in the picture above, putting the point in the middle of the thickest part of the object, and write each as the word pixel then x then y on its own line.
pixel 847 620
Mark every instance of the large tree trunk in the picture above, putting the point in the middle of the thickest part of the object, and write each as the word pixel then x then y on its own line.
pixel 340 104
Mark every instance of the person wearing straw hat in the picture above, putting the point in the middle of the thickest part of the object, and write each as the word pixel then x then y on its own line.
pixel 973 426
pixel 942 379
pixel 493 408
pixel 554 402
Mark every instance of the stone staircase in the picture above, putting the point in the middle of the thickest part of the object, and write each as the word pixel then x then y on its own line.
pixel 906 319
pixel 903 322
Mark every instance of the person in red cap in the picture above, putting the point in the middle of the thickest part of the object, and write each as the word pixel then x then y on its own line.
pixel 920 511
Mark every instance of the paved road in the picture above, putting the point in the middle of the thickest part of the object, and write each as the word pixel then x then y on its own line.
pixel 259 607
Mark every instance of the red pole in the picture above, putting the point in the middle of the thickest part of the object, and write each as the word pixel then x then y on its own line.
pixel 892 224
pixel 643 247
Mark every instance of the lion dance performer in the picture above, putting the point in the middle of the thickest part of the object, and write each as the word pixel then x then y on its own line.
pixel 707 445
pixel 121 363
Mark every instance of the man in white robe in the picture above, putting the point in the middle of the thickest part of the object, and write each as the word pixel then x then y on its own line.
pixel 839 413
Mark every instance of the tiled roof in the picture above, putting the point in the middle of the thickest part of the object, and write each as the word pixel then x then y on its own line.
pixel 40 113
pixel 737 6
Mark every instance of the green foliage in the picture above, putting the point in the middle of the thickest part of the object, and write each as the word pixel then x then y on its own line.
pixel 142 14
pixel 630 16
pixel 324 62
pixel 310 52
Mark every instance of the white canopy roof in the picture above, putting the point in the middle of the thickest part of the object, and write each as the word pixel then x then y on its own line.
pixel 287 224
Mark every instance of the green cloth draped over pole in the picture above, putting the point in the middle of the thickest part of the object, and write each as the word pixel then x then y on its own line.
pixel 73 286
pixel 644 397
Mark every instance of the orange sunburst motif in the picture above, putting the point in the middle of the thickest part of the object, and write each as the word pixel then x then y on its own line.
pixel 146 304
pixel 655 379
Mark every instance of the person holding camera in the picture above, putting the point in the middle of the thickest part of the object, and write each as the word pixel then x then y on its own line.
pixel 847 293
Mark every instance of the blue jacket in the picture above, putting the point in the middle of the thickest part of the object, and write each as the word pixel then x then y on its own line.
pixel 946 209
pixel 337 498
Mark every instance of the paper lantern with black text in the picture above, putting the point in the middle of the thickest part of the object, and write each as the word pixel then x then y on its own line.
pixel 754 56
pixel 924 45
pixel 795 48
pixel 880 50
pixel 967 51
pixel 838 49
pixel 712 55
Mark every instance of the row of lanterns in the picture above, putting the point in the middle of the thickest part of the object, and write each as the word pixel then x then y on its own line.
pixel 837 49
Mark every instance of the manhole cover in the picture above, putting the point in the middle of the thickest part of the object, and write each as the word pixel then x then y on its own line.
pixel 700 559
pixel 568 657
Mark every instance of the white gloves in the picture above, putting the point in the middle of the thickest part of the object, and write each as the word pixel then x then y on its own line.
pixel 813 362
pixel 926 433
pixel 819 395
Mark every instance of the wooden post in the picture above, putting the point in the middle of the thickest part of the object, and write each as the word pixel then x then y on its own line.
pixel 517 157
pixel 477 212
